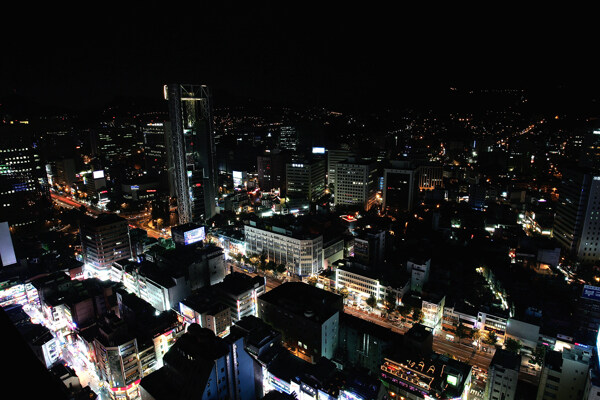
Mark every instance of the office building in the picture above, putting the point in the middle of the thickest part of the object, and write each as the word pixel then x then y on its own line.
pixel 301 252
pixel 333 157
pixel 503 375
pixel 116 357
pixel 577 221
pixel 155 151
pixel 191 152
pixel 262 343
pixel 592 386
pixel 306 316
pixel 24 194
pixel 564 374
pixel 355 183
pixel 305 179
pixel 202 309
pixel 104 241
pixel 162 288
pixel 288 138
pixel 399 186
pixel 430 177
pixel 154 332
pixel 239 292
pixel 432 306
pixel 366 283
pixel 201 266
pixel 271 167
pixel 201 365
pixel 65 172
pixel 369 246
pixel 587 315
pixel 419 271
pixel 95 184
pixel 362 344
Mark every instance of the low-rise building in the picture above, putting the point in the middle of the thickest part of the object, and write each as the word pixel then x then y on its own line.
pixel 503 375
pixel 301 252
pixel 306 316
pixel 432 307
pixel 564 374
pixel 367 283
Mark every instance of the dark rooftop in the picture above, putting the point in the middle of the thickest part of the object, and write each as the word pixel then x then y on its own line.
pixel 304 300
pixel 506 359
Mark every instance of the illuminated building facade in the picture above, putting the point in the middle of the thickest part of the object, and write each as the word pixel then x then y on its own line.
pixel 302 254
pixel 104 240
pixel 191 151
pixel 155 152
pixel 435 376
pixel 24 194
pixel 355 183
pixel 239 292
pixel 577 221
pixel 288 138
pixel 367 283
pixel 305 179
pixel 333 157
pixel 430 177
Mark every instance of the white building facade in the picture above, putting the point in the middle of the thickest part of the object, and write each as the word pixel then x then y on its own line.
pixel 302 256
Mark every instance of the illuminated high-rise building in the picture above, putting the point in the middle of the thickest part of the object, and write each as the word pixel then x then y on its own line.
pixel 24 194
pixel 356 183
pixel 288 138
pixel 577 213
pixel 191 151
pixel 104 240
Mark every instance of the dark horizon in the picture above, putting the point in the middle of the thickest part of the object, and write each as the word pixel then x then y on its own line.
pixel 339 58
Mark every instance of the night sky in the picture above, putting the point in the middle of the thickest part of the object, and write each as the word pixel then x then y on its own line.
pixel 310 55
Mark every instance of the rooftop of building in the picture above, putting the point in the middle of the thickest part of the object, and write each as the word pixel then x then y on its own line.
pixel 142 317
pixel 373 330
pixel 237 283
pixel 357 161
pixel 506 359
pixel 101 220
pixel 204 301
pixel 185 227
pixel 553 360
pixel 389 276
pixel 75 291
pixel 256 331
pixel 304 300
pixel 35 334
pixel 418 333
pixel 275 395
pixel 442 377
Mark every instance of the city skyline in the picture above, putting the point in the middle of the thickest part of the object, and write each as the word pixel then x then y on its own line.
pixel 309 201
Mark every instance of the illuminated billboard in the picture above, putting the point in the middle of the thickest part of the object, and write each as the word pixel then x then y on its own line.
pixel 318 150
pixel 237 178
pixel 591 292
pixel 598 344
pixel 193 236
pixel 98 174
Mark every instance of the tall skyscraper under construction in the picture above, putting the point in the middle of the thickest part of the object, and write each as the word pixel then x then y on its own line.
pixel 191 151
